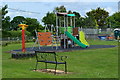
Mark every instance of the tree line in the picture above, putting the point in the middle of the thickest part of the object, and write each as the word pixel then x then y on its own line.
pixel 96 18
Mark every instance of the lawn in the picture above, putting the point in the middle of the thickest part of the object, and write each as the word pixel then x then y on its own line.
pixel 92 63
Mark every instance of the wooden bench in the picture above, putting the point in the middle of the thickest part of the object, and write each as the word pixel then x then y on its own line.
pixel 50 57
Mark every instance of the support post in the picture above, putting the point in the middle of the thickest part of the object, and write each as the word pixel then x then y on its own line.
pixel 64 33
pixel 74 21
pixel 23 26
pixel 71 21
pixel 45 28
pixel 23 41
pixel 56 31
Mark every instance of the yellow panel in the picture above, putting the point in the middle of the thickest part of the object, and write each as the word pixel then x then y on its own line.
pixel 82 38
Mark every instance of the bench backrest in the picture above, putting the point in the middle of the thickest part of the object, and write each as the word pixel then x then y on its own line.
pixel 45 56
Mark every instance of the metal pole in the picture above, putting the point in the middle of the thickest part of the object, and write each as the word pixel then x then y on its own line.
pixel 51 28
pixel 64 33
pixel 67 30
pixel 60 24
pixel 57 30
pixel 36 40
pixel 74 21
pixel 71 21
pixel 52 35
pixel 67 22
pixel 72 29
pixel 45 28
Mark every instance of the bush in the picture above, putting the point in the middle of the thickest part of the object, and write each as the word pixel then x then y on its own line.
pixel 5 34
pixel 14 33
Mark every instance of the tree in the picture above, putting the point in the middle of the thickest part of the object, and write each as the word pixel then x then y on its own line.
pixel 16 21
pixel 89 22
pixel 49 19
pixel 100 16
pixel 33 25
pixel 114 20
pixel 4 11
pixel 6 23
pixel 78 19
pixel 60 9
pixel 5 19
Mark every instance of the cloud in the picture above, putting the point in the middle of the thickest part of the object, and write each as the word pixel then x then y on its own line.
pixel 61 0
pixel 12 14
pixel 110 10
pixel 87 10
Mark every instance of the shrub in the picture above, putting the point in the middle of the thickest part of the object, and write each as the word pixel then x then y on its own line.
pixel 14 33
pixel 5 34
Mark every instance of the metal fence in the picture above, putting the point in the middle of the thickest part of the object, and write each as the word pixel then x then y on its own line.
pixel 89 34
pixel 12 39
pixel 94 33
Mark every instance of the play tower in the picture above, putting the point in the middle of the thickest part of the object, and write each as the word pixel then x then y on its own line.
pixel 63 32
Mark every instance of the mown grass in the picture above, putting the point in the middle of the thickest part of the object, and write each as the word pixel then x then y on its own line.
pixel 92 63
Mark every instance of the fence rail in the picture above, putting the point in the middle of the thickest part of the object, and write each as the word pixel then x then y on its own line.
pixel 15 38
pixel 94 33
pixel 98 31
pixel 90 34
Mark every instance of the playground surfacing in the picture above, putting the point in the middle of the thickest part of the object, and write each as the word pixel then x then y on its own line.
pixel 50 49
pixel 52 71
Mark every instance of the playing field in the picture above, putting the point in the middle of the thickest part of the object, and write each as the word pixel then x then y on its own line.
pixel 90 63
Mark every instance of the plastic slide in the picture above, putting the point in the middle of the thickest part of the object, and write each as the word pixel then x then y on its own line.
pixel 75 40
pixel 82 38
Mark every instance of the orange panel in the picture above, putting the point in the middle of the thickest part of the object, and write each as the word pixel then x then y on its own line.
pixel 45 38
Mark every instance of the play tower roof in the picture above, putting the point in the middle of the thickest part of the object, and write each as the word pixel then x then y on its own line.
pixel 65 14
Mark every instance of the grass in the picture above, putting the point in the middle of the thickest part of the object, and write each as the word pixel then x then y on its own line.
pixel 92 63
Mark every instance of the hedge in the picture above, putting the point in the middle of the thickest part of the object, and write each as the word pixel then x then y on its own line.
pixel 14 33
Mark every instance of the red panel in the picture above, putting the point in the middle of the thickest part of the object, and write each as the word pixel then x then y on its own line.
pixel 75 31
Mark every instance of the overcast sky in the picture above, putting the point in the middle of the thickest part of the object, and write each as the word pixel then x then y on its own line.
pixel 41 7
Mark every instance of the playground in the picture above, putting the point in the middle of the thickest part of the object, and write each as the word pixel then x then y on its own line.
pixel 85 58
pixel 64 37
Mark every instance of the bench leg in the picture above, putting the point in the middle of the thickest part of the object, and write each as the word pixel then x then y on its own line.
pixel 55 68
pixel 65 68
pixel 36 66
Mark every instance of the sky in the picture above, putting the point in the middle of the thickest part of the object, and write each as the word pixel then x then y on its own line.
pixel 38 8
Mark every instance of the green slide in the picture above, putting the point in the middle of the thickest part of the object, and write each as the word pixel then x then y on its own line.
pixel 75 40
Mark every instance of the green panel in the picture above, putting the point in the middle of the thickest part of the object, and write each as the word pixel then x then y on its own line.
pixel 71 26
pixel 70 14
pixel 62 29
pixel 75 40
